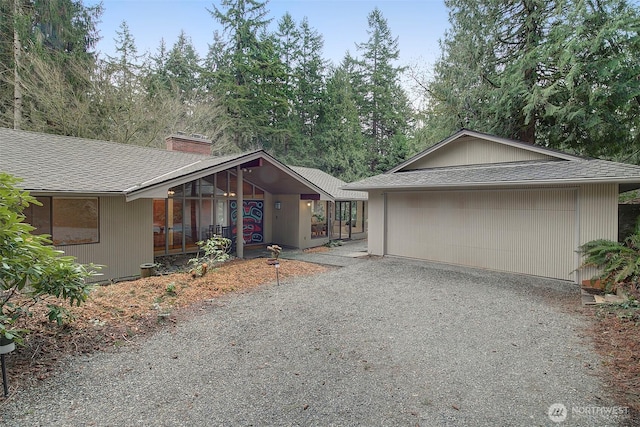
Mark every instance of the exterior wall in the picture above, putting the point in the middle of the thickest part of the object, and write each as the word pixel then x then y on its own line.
pixel 268 213
pixel 471 151
pixel 304 227
pixel 530 231
pixel 126 239
pixel 598 218
pixel 376 223
pixel 285 228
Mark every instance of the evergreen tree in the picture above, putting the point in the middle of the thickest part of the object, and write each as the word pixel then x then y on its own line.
pixel 556 72
pixel 300 49
pixel 59 32
pixel 182 68
pixel 384 107
pixel 590 102
pixel 339 142
pixel 249 79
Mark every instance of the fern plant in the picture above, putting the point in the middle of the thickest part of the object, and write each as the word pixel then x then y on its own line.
pixel 619 263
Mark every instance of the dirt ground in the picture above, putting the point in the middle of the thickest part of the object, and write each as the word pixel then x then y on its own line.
pixel 615 333
pixel 120 313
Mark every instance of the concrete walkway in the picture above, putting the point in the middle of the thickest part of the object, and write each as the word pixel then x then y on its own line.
pixel 349 253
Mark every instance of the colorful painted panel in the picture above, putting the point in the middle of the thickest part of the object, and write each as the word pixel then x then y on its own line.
pixel 253 212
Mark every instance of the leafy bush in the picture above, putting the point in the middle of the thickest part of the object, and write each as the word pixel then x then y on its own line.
pixel 619 263
pixel 216 249
pixel 30 267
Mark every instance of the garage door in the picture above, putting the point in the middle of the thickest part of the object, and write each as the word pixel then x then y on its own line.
pixel 523 231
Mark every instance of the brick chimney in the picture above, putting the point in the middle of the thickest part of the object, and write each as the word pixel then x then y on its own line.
pixel 194 143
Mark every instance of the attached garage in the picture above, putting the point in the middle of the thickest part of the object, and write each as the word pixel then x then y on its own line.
pixel 529 231
pixel 525 213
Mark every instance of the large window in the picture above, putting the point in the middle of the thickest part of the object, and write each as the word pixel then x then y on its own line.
pixel 350 217
pixel 319 219
pixel 68 220
pixel 197 210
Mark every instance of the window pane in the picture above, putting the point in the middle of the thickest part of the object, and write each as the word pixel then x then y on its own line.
pixel 357 217
pixel 247 190
pixel 159 225
pixel 190 224
pixel 207 186
pixel 233 185
pixel 318 219
pixel 75 220
pixel 176 191
pixel 175 226
pixel 39 216
pixel 222 183
pixel 258 193
pixel 192 189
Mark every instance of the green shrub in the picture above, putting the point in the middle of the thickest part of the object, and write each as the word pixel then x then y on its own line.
pixel 216 249
pixel 31 267
pixel 619 263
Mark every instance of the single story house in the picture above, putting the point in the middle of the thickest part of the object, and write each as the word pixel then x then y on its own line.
pixel 483 201
pixel 122 205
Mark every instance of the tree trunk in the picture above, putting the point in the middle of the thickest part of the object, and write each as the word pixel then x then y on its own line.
pixel 17 84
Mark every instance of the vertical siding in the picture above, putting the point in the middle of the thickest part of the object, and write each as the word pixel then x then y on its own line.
pixel 268 213
pixel 598 217
pixel 472 151
pixel 126 238
pixel 376 224
pixel 524 231
pixel 285 220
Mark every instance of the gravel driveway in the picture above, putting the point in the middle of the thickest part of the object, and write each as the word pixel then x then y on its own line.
pixel 381 342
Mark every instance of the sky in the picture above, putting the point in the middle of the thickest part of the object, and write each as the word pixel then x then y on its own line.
pixel 418 24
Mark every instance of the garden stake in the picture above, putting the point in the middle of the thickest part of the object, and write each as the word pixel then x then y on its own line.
pixel 277 264
pixel 4 377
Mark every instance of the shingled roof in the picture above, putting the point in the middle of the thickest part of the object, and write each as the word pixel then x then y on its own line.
pixel 54 163
pixel 568 172
pixel 61 163
pixel 329 183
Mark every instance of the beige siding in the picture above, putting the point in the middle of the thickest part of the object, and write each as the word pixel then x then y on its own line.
pixel 126 238
pixel 524 231
pixel 285 227
pixel 471 151
pixel 598 217
pixel 376 223
pixel 267 231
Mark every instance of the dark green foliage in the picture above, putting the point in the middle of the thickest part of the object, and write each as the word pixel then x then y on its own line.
pixel 619 263
pixel 383 106
pixel 557 73
pixel 30 266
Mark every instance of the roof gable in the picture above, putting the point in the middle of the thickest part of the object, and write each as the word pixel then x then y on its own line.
pixel 62 164
pixel 468 147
